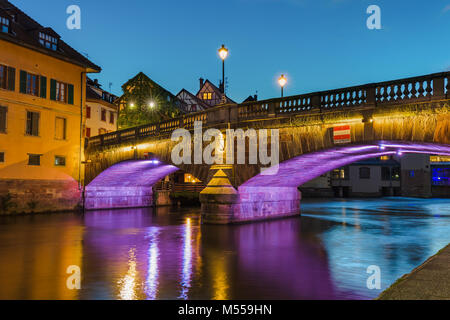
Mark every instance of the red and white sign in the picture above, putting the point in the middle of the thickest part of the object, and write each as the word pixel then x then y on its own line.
pixel 341 134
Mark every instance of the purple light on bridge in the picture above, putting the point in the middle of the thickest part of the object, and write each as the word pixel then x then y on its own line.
pixel 299 170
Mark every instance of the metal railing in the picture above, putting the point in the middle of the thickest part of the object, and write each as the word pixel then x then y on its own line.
pixel 416 89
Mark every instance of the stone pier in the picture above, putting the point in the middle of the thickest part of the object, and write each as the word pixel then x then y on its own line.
pixel 223 204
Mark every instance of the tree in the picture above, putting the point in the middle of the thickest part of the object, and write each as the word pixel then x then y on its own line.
pixel 145 102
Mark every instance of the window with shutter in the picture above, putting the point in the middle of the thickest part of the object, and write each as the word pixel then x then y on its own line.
pixel 88 112
pixel 52 89
pixel 70 94
pixel 43 93
pixel 23 81
pixel 3 113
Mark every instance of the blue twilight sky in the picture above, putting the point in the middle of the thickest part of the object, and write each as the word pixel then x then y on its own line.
pixel 318 44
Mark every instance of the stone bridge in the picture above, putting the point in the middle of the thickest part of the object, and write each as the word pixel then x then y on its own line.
pixel 402 116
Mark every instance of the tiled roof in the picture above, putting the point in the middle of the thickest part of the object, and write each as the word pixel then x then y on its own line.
pixel 194 97
pixel 24 31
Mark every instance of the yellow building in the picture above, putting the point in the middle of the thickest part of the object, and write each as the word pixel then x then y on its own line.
pixel 42 97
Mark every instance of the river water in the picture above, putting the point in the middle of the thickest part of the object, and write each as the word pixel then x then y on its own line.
pixel 167 253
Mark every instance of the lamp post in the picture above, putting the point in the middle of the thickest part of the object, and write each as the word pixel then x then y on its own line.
pixel 282 82
pixel 223 53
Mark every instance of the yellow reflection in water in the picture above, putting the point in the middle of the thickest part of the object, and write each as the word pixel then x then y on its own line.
pixel 220 280
pixel 128 282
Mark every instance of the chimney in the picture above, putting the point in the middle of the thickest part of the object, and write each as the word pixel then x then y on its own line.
pixel 202 81
pixel 255 97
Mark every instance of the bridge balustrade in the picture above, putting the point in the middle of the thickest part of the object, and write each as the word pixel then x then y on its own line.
pixel 416 89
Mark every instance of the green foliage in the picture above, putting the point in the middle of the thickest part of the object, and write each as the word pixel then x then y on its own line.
pixel 6 203
pixel 145 102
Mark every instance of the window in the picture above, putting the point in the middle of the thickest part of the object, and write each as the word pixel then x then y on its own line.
pixel 111 117
pixel 364 173
pixel 88 132
pixel 440 176
pixel 60 128
pixel 60 161
pixel 62 92
pixel 411 173
pixel 385 173
pixel 7 78
pixel 385 158
pixel 3 114
pixel 207 95
pixel 34 159
pixel 88 112
pixel 33 84
pixel 2 157
pixel 48 41
pixel 32 123
pixel 103 114
pixel 4 24
pixel 340 174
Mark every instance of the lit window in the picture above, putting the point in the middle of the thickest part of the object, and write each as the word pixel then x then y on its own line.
pixel 34 159
pixel 60 128
pixel 4 24
pixel 412 173
pixel 48 41
pixel 60 161
pixel 32 128
pixel 384 158
pixel 207 95
pixel 61 90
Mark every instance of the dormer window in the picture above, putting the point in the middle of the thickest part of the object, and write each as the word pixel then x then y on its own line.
pixel 48 41
pixel 4 25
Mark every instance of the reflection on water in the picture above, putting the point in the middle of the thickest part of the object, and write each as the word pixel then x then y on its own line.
pixel 168 254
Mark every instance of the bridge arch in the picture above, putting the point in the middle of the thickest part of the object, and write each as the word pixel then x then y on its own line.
pixel 274 192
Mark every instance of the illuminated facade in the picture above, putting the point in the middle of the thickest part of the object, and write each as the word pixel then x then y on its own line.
pixel 41 101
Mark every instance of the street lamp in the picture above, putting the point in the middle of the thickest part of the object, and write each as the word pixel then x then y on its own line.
pixel 151 104
pixel 223 54
pixel 282 81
